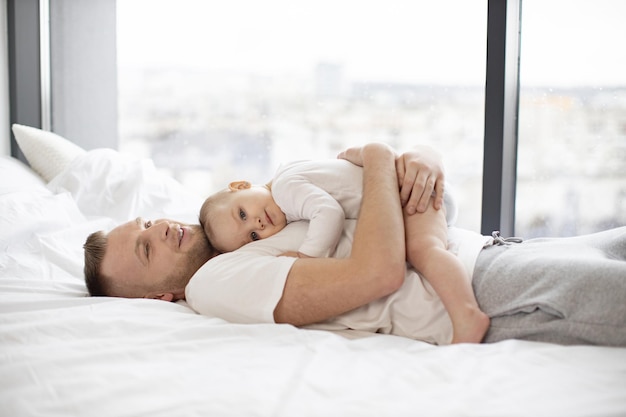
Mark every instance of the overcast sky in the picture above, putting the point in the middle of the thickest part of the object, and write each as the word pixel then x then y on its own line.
pixel 565 42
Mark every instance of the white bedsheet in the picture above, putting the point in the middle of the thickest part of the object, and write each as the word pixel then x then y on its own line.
pixel 65 354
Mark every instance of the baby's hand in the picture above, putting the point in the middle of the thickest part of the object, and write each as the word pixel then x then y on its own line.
pixel 290 253
pixel 357 154
pixel 354 155
pixel 295 254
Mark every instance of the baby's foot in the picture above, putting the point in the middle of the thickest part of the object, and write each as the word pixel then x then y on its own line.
pixel 471 328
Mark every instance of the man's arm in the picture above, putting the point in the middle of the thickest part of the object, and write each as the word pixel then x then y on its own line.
pixel 420 176
pixel 318 289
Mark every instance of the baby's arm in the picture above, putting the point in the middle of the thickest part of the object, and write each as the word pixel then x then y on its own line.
pixel 301 200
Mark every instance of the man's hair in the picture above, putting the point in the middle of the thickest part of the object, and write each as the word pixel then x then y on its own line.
pixel 94 247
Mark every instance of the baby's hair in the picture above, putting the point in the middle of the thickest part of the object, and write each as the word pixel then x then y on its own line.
pixel 206 211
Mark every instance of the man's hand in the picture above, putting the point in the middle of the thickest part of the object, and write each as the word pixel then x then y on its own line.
pixel 420 172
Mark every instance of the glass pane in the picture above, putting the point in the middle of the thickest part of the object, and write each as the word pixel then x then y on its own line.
pixel 215 91
pixel 572 120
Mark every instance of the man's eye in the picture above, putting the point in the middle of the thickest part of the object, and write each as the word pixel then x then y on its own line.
pixel 242 214
pixel 147 249
pixel 254 236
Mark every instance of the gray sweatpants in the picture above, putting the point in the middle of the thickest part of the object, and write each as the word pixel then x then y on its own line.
pixel 561 290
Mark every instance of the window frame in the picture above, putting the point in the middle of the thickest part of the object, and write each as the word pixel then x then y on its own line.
pixel 501 117
pixel 25 74
pixel 29 90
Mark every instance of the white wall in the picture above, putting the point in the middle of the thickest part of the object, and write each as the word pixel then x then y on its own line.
pixel 84 71
pixel 5 138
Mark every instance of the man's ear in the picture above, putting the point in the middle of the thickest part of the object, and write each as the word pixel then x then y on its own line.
pixel 239 185
pixel 165 296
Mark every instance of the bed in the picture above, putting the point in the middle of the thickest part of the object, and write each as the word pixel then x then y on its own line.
pixel 63 353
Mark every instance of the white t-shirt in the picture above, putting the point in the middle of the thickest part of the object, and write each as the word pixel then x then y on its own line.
pixel 245 286
pixel 326 192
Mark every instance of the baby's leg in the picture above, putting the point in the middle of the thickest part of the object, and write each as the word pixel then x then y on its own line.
pixel 427 251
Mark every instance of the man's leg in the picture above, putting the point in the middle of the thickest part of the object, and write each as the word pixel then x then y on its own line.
pixel 561 290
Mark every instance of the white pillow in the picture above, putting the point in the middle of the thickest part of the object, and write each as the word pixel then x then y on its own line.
pixel 47 153
pixel 106 183
pixel 41 234
pixel 15 176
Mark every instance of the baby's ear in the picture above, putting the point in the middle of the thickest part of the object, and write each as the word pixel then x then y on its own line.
pixel 239 185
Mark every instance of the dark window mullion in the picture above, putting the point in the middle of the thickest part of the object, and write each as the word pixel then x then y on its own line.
pixel 501 108
pixel 24 66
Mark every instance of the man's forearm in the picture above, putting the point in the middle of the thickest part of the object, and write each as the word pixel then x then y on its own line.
pixel 379 234
pixel 318 289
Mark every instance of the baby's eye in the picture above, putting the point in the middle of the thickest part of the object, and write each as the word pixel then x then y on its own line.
pixel 242 214
pixel 147 224
pixel 254 236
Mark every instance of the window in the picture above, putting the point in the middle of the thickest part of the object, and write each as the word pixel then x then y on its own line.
pixel 572 118
pixel 217 91
pixel 234 89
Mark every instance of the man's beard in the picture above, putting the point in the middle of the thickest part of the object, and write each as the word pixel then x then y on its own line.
pixel 197 256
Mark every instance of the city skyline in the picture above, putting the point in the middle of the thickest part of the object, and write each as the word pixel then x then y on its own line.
pixel 571 140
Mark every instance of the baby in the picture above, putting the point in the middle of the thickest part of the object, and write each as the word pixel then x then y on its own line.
pixel 326 193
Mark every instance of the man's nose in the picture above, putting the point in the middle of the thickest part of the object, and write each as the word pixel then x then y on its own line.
pixel 161 229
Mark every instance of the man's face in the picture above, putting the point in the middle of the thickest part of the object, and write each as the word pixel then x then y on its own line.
pixel 245 216
pixel 153 259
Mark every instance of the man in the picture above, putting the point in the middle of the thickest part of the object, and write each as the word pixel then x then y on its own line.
pixel 129 247
pixel 367 285
pixel 144 259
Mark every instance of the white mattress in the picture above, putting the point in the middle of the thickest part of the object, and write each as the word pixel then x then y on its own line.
pixel 65 354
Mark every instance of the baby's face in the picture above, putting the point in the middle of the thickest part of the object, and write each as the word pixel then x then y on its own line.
pixel 243 217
